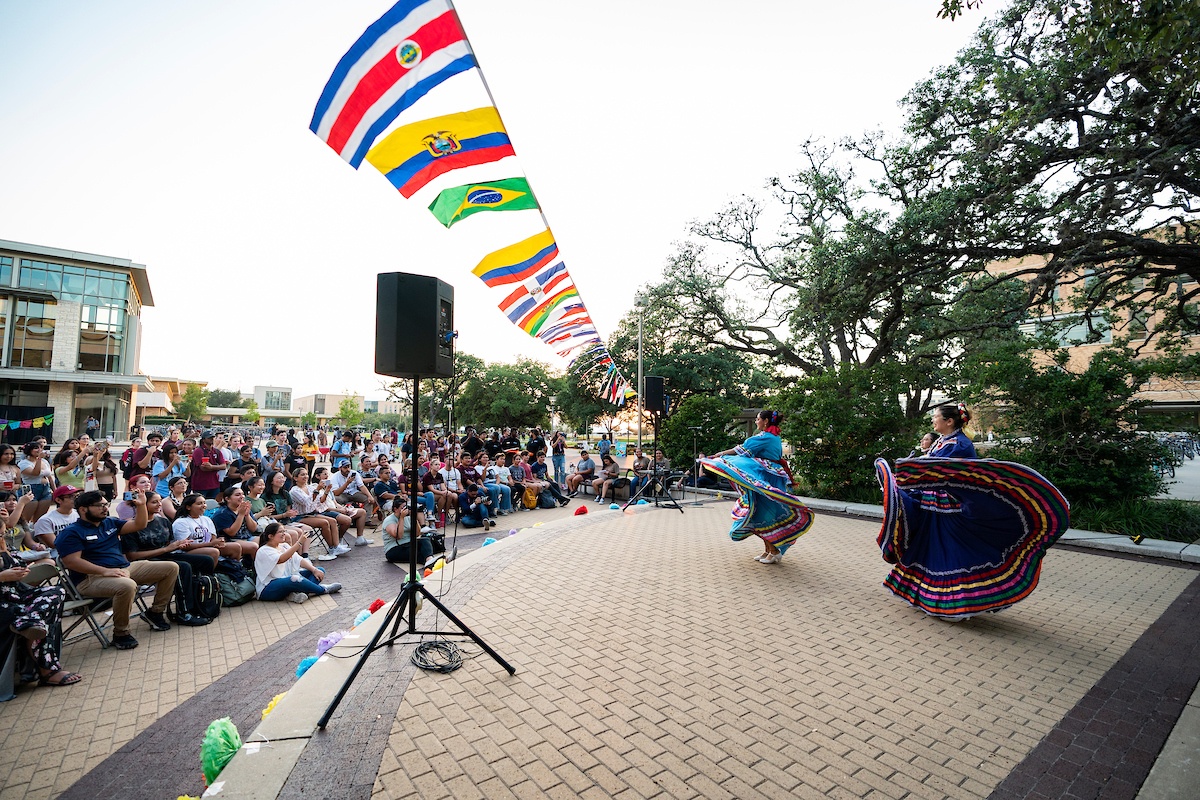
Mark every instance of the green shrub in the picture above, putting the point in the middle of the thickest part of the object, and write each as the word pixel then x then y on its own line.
pixel 712 415
pixel 1173 520
pixel 839 422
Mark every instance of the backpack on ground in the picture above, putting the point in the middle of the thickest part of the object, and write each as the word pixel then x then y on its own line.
pixel 236 584
pixel 530 497
pixel 207 602
pixel 546 500
pixel 235 594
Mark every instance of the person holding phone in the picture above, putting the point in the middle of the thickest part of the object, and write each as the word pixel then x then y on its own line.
pixel 91 549
pixel 36 477
pixel 282 572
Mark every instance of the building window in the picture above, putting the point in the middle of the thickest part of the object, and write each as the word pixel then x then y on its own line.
pixel 1139 324
pixel 33 334
pixel 319 404
pixel 6 265
pixel 15 393
pixel 101 337
pixel 110 405
pixel 277 401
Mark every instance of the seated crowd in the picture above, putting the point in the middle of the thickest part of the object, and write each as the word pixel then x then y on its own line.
pixel 197 505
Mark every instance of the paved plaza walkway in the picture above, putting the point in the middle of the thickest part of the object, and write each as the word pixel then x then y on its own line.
pixel 654 659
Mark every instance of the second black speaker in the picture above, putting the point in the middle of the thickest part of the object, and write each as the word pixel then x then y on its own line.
pixel 414 326
pixel 652 394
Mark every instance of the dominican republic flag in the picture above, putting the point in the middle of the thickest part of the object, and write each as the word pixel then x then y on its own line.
pixel 412 48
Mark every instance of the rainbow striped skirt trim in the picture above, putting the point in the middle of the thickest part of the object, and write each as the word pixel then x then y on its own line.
pixel 966 536
pixel 764 507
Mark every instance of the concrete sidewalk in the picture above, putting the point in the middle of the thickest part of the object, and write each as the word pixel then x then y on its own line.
pixel 655 658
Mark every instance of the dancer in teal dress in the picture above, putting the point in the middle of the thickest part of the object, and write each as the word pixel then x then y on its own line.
pixel 764 508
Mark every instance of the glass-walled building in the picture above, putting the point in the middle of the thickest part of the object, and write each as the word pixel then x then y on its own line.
pixel 70 326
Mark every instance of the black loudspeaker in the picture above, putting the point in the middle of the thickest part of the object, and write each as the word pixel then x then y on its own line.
pixel 414 326
pixel 652 394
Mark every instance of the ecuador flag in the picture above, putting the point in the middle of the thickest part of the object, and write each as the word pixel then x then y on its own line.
pixel 511 194
pixel 413 155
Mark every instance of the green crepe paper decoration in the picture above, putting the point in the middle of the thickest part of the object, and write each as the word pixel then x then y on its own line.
pixel 221 741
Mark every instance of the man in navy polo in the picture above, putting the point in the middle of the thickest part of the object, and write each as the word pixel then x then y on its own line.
pixel 91 549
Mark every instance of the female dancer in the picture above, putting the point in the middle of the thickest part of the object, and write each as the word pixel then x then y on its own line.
pixel 965 535
pixel 764 507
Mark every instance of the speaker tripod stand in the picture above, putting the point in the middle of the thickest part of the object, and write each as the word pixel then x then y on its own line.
pixel 657 479
pixel 410 595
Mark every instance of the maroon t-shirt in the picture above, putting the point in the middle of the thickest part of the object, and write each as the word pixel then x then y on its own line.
pixel 202 480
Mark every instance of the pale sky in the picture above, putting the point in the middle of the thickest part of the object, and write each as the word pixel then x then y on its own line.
pixel 176 135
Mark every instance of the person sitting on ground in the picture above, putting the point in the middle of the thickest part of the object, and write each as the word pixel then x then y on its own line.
pixel 585 470
pixel 91 550
pixel 32 612
pixel 396 533
pixel 348 488
pixel 282 572
pixel 235 522
pixel 46 529
pixel 609 472
pixel 156 542
pixel 470 475
pixel 474 511
pixel 308 512
pixel 198 532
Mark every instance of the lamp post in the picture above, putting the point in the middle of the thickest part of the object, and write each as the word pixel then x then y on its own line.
pixel 449 418
pixel 553 403
pixel 639 303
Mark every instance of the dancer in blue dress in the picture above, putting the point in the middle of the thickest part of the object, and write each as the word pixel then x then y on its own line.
pixel 764 507
pixel 965 535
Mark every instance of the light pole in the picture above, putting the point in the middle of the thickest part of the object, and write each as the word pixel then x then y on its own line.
pixel 639 303
pixel 553 403
pixel 449 418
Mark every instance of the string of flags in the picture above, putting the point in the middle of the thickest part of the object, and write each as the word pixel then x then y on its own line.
pixel 416 46
pixel 35 422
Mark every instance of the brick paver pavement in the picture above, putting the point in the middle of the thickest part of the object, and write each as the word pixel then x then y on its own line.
pixel 655 658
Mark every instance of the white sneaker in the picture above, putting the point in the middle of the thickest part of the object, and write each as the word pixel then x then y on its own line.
pixel 364 541
pixel 298 597
pixel 331 588
pixel 341 550
pixel 328 556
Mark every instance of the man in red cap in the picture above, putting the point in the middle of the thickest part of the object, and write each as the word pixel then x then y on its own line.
pixel 63 514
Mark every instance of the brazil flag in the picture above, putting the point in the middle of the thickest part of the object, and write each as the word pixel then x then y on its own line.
pixel 510 194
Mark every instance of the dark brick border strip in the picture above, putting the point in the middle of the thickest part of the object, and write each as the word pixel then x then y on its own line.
pixel 1104 747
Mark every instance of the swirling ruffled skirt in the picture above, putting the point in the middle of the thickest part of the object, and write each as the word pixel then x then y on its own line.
pixel 764 507
pixel 966 536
